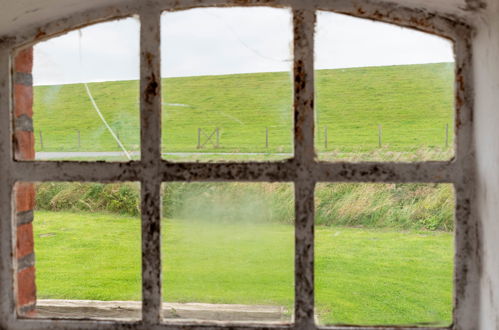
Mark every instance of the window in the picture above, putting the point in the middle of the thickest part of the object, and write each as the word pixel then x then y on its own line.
pixel 74 114
pixel 302 169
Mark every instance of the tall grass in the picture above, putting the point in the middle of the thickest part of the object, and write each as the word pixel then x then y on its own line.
pixel 122 198
pixel 401 206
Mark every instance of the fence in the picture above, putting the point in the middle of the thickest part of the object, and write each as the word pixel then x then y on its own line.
pixel 260 138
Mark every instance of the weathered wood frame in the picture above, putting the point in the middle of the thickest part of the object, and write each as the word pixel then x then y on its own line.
pixel 303 169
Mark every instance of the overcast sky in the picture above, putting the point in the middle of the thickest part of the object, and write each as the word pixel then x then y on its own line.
pixel 229 40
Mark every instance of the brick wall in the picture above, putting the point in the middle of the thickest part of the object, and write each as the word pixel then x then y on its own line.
pixel 24 194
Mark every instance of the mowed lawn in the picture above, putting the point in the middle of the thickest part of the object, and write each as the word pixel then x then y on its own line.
pixel 362 276
pixel 413 103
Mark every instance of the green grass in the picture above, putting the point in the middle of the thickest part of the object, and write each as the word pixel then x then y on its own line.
pixel 413 103
pixel 383 276
pixel 363 276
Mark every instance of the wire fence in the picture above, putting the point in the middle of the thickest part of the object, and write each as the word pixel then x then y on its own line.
pixel 231 139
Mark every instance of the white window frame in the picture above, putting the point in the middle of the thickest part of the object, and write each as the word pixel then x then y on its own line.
pixel 303 169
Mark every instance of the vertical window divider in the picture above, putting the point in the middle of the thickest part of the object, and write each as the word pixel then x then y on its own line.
pixel 467 234
pixel 303 74
pixel 303 86
pixel 7 229
pixel 150 136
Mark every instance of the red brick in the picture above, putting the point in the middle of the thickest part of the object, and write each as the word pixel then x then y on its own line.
pixel 25 197
pixel 24 145
pixel 24 60
pixel 24 192
pixel 26 288
pixel 23 100
pixel 24 240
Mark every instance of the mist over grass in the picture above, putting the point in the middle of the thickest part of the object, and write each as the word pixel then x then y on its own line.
pixel 230 202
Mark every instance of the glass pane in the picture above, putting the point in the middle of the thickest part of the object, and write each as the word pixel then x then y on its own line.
pixel 384 254
pixel 86 94
pixel 87 249
pixel 383 92
pixel 227 92
pixel 228 251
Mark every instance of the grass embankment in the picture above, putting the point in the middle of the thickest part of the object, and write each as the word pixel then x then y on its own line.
pixel 363 276
pixel 413 103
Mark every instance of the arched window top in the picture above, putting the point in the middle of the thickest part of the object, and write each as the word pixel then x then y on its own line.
pixel 431 22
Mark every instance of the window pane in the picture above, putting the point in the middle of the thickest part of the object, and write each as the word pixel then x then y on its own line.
pixel 228 251
pixel 86 94
pixel 382 92
pixel 227 92
pixel 87 249
pixel 384 254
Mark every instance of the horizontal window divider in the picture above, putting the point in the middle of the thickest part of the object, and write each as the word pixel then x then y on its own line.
pixel 83 324
pixel 285 171
pixel 428 172
pixel 76 171
pixel 350 327
pixel 231 171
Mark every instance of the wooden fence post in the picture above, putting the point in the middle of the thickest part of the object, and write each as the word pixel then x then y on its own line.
pixel 446 135
pixel 41 139
pixel 325 137
pixel 380 135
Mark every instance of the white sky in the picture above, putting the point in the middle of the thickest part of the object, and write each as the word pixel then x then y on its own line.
pixel 229 40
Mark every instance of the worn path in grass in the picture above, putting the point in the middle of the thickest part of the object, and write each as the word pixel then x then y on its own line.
pixel 362 276
pixel 413 103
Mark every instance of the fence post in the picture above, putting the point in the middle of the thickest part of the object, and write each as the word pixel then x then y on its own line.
pixel 266 137
pixel 325 137
pixel 446 135
pixel 380 135
pixel 218 138
pixel 199 138
pixel 41 139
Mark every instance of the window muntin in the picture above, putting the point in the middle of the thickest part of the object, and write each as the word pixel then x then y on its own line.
pixel 457 171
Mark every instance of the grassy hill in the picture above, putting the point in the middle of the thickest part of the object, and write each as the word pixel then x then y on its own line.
pixel 413 103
